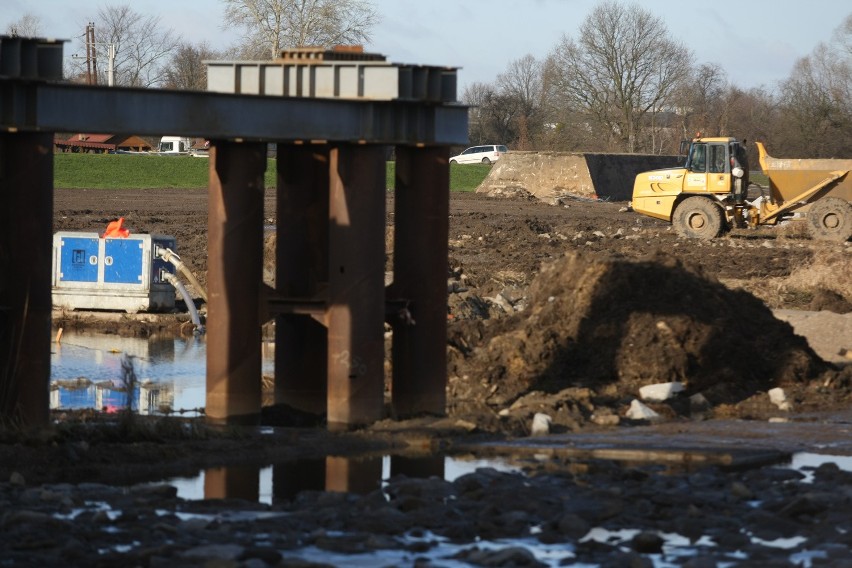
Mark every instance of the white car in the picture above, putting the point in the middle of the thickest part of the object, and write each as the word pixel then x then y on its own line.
pixel 480 154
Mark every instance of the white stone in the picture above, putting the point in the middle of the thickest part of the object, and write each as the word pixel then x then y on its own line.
pixel 639 411
pixel 777 396
pixel 541 424
pixel 660 391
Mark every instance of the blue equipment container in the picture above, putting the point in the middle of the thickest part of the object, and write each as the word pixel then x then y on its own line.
pixel 112 273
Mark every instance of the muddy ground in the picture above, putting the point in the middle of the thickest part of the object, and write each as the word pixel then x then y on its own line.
pixel 586 296
pixel 560 310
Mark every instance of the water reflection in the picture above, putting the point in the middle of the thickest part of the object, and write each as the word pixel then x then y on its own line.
pixel 282 482
pixel 86 372
pixel 361 475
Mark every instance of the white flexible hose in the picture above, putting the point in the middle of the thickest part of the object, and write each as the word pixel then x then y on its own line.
pixel 171 256
pixel 190 305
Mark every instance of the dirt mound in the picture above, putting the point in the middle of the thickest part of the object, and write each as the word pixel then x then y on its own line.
pixel 608 327
pixel 830 272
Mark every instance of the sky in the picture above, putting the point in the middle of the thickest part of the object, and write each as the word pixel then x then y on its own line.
pixel 756 42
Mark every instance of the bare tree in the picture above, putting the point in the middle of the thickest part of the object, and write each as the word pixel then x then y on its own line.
pixel 817 99
pixel 186 69
pixel 28 26
pixel 476 96
pixel 622 67
pixel 700 101
pixel 492 115
pixel 142 47
pixel 272 25
pixel 842 36
pixel 521 84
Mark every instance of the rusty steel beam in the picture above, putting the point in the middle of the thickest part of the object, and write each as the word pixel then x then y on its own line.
pixel 301 270
pixel 54 107
pixel 356 288
pixel 26 251
pixel 234 282
pixel 316 306
pixel 419 351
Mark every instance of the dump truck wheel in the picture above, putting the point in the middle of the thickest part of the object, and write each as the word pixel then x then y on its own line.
pixel 831 219
pixel 698 218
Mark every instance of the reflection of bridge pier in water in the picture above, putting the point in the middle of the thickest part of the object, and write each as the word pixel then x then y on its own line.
pixel 332 473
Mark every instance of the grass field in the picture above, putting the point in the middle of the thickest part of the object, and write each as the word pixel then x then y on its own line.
pixel 111 171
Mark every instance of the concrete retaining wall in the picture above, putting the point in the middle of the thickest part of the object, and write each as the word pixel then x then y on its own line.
pixel 551 175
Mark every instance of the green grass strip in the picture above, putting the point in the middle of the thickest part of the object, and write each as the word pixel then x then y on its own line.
pixel 130 171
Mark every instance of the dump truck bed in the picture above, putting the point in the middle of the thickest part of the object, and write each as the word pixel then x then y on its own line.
pixel 790 177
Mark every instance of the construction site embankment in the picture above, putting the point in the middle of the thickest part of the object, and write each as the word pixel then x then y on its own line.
pixel 553 176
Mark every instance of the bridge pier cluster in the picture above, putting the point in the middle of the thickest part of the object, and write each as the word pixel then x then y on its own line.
pixel 330 301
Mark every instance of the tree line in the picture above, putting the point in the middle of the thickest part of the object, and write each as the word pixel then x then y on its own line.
pixel 621 83
pixel 150 54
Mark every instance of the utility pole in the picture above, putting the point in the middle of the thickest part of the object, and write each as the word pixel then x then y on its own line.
pixel 91 56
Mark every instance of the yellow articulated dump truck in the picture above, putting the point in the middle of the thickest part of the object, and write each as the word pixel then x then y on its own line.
pixel 710 193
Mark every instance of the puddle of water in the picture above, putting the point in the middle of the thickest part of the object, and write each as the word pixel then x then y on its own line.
pixel 269 483
pixel 806 463
pixel 86 372
pixel 442 554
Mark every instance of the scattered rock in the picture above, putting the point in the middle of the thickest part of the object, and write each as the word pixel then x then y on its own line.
pixel 639 411
pixel 660 391
pixel 647 542
pixel 540 424
pixel 778 397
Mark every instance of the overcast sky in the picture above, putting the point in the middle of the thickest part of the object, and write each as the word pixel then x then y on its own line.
pixel 755 41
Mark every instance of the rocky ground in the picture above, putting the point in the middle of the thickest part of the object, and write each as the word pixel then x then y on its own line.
pixel 564 311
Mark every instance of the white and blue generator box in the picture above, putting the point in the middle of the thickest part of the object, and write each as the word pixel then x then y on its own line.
pixel 112 273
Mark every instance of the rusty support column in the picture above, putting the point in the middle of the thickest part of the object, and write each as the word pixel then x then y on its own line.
pixel 420 275
pixel 356 294
pixel 26 245
pixel 234 281
pixel 301 271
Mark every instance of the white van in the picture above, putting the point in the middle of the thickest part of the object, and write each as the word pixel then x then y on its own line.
pixel 174 145
pixel 487 154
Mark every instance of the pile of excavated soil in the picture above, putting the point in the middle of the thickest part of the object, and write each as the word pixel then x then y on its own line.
pixel 595 331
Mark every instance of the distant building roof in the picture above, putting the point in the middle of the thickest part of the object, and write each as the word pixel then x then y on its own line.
pixel 104 142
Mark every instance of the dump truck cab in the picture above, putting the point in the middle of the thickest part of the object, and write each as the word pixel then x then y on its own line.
pixel 715 173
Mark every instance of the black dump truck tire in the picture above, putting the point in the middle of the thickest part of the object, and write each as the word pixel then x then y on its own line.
pixel 830 219
pixel 698 218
